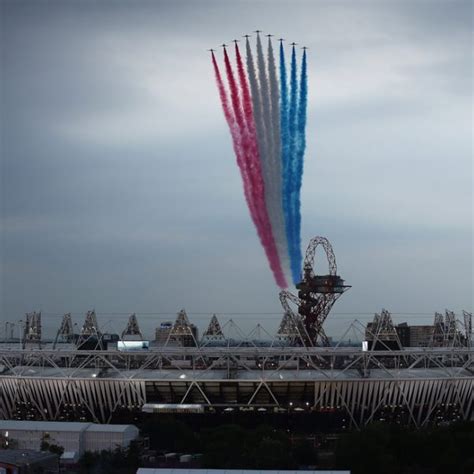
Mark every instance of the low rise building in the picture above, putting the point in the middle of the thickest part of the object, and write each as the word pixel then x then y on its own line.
pixel 100 437
pixel 73 437
pixel 30 434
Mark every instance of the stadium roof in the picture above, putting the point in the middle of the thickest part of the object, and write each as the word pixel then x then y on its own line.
pixel 276 375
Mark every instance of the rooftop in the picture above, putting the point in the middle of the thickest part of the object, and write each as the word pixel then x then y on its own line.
pixel 42 425
pixel 19 457
pixel 61 426
pixel 110 428
pixel 282 374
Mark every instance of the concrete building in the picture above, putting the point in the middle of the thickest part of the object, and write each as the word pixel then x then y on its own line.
pixel 73 437
pixel 403 331
pixel 421 336
pixel 415 336
pixel 382 335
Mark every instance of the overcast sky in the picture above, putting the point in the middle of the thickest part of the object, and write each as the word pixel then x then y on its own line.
pixel 120 190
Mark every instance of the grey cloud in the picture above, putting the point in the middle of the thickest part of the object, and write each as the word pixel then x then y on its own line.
pixel 120 188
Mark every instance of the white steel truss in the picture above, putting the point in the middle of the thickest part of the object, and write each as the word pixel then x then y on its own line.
pixel 412 385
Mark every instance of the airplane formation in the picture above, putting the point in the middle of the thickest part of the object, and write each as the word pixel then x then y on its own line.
pixel 224 46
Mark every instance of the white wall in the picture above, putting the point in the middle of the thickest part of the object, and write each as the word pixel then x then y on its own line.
pixel 26 439
pixel 79 441
pixel 99 440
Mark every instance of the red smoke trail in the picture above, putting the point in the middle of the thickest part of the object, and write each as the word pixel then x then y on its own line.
pixel 234 92
pixel 234 134
pixel 253 153
pixel 249 121
pixel 255 165
pixel 249 150
pixel 245 145
pixel 246 98
pixel 251 140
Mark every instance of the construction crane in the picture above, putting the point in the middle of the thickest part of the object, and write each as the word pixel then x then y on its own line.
pixel 316 293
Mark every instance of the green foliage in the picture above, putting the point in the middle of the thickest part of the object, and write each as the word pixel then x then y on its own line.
pixel 88 462
pixel 119 461
pixel 304 453
pixel 8 443
pixel 381 448
pixel 233 447
pixel 171 435
pixel 378 448
pixel 52 448
pixel 225 447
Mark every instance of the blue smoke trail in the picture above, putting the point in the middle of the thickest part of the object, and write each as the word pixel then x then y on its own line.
pixel 301 145
pixel 284 148
pixel 292 190
pixel 279 230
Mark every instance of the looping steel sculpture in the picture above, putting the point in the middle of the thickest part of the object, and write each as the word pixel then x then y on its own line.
pixel 316 294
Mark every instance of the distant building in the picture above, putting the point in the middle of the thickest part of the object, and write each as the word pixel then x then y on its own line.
pixel 22 461
pixel 73 437
pixel 411 336
pixel 429 335
pixel 187 339
pixel 180 333
pixel 421 336
pixel 162 332
pixel 381 333
pixel 403 331
pixel 100 437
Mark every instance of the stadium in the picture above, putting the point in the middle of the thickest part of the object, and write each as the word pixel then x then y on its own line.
pixel 101 377
pixel 413 385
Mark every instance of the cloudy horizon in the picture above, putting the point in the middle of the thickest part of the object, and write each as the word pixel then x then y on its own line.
pixel 120 190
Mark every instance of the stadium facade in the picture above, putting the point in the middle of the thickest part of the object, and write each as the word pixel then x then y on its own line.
pixel 416 386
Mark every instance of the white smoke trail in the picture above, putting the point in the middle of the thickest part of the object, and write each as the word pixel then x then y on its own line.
pixel 265 100
pixel 271 161
pixel 279 229
pixel 257 112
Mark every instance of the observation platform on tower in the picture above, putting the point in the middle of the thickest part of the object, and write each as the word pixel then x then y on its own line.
pixel 323 284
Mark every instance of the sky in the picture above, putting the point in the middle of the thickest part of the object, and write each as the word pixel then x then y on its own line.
pixel 120 190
